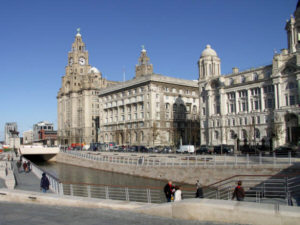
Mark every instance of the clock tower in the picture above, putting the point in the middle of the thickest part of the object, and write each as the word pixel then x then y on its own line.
pixel 78 58
pixel 77 99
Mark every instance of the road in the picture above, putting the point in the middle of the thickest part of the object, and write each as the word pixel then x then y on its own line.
pixel 33 214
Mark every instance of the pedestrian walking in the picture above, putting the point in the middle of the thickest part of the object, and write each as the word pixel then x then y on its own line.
pixel 199 191
pixel 8 157
pixel 25 166
pixel 178 194
pixel 239 192
pixel 44 183
pixel 28 166
pixel 19 164
pixel 169 191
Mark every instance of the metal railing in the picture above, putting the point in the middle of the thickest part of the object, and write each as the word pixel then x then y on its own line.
pixel 55 184
pixel 137 194
pixel 279 189
pixel 184 160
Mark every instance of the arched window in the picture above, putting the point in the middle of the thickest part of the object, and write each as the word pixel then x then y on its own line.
pixel 136 136
pixel 142 136
pixel 167 106
pixel 106 138
pixel 232 134
pixel 231 81
pixel 194 109
pixel 216 135
pixel 257 133
pixel 175 107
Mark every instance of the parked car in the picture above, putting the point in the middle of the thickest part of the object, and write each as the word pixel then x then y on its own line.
pixel 166 150
pixel 225 149
pixel 202 150
pixel 153 150
pixel 284 151
pixel 186 149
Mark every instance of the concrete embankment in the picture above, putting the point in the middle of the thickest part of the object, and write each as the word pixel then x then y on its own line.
pixel 221 211
pixel 189 175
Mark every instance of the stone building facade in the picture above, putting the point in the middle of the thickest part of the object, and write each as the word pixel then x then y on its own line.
pixel 256 106
pixel 151 109
pixel 77 106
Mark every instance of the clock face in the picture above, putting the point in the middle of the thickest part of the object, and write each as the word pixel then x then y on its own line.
pixel 81 61
pixel 71 61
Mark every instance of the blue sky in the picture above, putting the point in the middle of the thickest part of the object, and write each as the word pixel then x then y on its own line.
pixel 36 36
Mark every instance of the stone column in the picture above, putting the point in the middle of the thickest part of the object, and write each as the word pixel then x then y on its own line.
pixel 262 102
pixel 248 100
pixel 275 95
pixel 236 103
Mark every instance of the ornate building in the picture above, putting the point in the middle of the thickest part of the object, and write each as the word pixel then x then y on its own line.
pixel 77 106
pixel 257 106
pixel 150 109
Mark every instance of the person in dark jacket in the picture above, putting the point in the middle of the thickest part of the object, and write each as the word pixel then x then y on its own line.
pixel 239 192
pixel 199 191
pixel 169 191
pixel 44 183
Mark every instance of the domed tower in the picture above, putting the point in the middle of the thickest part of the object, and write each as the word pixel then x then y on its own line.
pixel 209 64
pixel 144 67
pixel 293 30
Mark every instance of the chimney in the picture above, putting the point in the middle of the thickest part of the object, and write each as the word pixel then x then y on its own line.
pixel 235 70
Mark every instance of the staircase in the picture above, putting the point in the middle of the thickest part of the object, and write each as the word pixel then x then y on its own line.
pixel 277 189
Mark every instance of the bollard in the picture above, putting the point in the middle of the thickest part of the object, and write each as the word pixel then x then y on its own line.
pixel 61 189
pixel 71 190
pixel 106 192
pixel 126 194
pixel 290 158
pixel 247 160
pixel 89 191
pixel 260 159
pixel 148 195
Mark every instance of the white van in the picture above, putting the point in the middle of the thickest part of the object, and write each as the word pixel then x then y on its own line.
pixel 186 149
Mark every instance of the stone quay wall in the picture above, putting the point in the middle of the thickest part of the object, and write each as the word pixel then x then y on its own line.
pixel 189 175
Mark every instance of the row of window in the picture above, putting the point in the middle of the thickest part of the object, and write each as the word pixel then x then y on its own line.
pixel 243 135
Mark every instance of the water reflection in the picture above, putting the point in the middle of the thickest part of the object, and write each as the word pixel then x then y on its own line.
pixel 76 174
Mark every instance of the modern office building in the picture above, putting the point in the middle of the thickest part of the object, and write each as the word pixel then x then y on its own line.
pixel 28 137
pixel 12 126
pixel 41 126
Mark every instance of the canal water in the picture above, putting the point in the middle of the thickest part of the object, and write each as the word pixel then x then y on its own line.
pixel 77 174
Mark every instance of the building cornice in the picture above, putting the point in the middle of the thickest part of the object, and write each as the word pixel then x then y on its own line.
pixel 147 79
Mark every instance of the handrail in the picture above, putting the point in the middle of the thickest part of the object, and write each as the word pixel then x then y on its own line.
pixel 254 175
pixel 124 186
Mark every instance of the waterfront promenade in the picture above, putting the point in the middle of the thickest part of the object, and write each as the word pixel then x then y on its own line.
pixel 26 204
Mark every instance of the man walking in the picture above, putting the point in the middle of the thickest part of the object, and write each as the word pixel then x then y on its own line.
pixel 169 191
pixel 239 192
pixel 44 183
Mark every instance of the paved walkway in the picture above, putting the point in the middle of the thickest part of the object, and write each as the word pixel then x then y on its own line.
pixel 20 214
pixel 26 181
